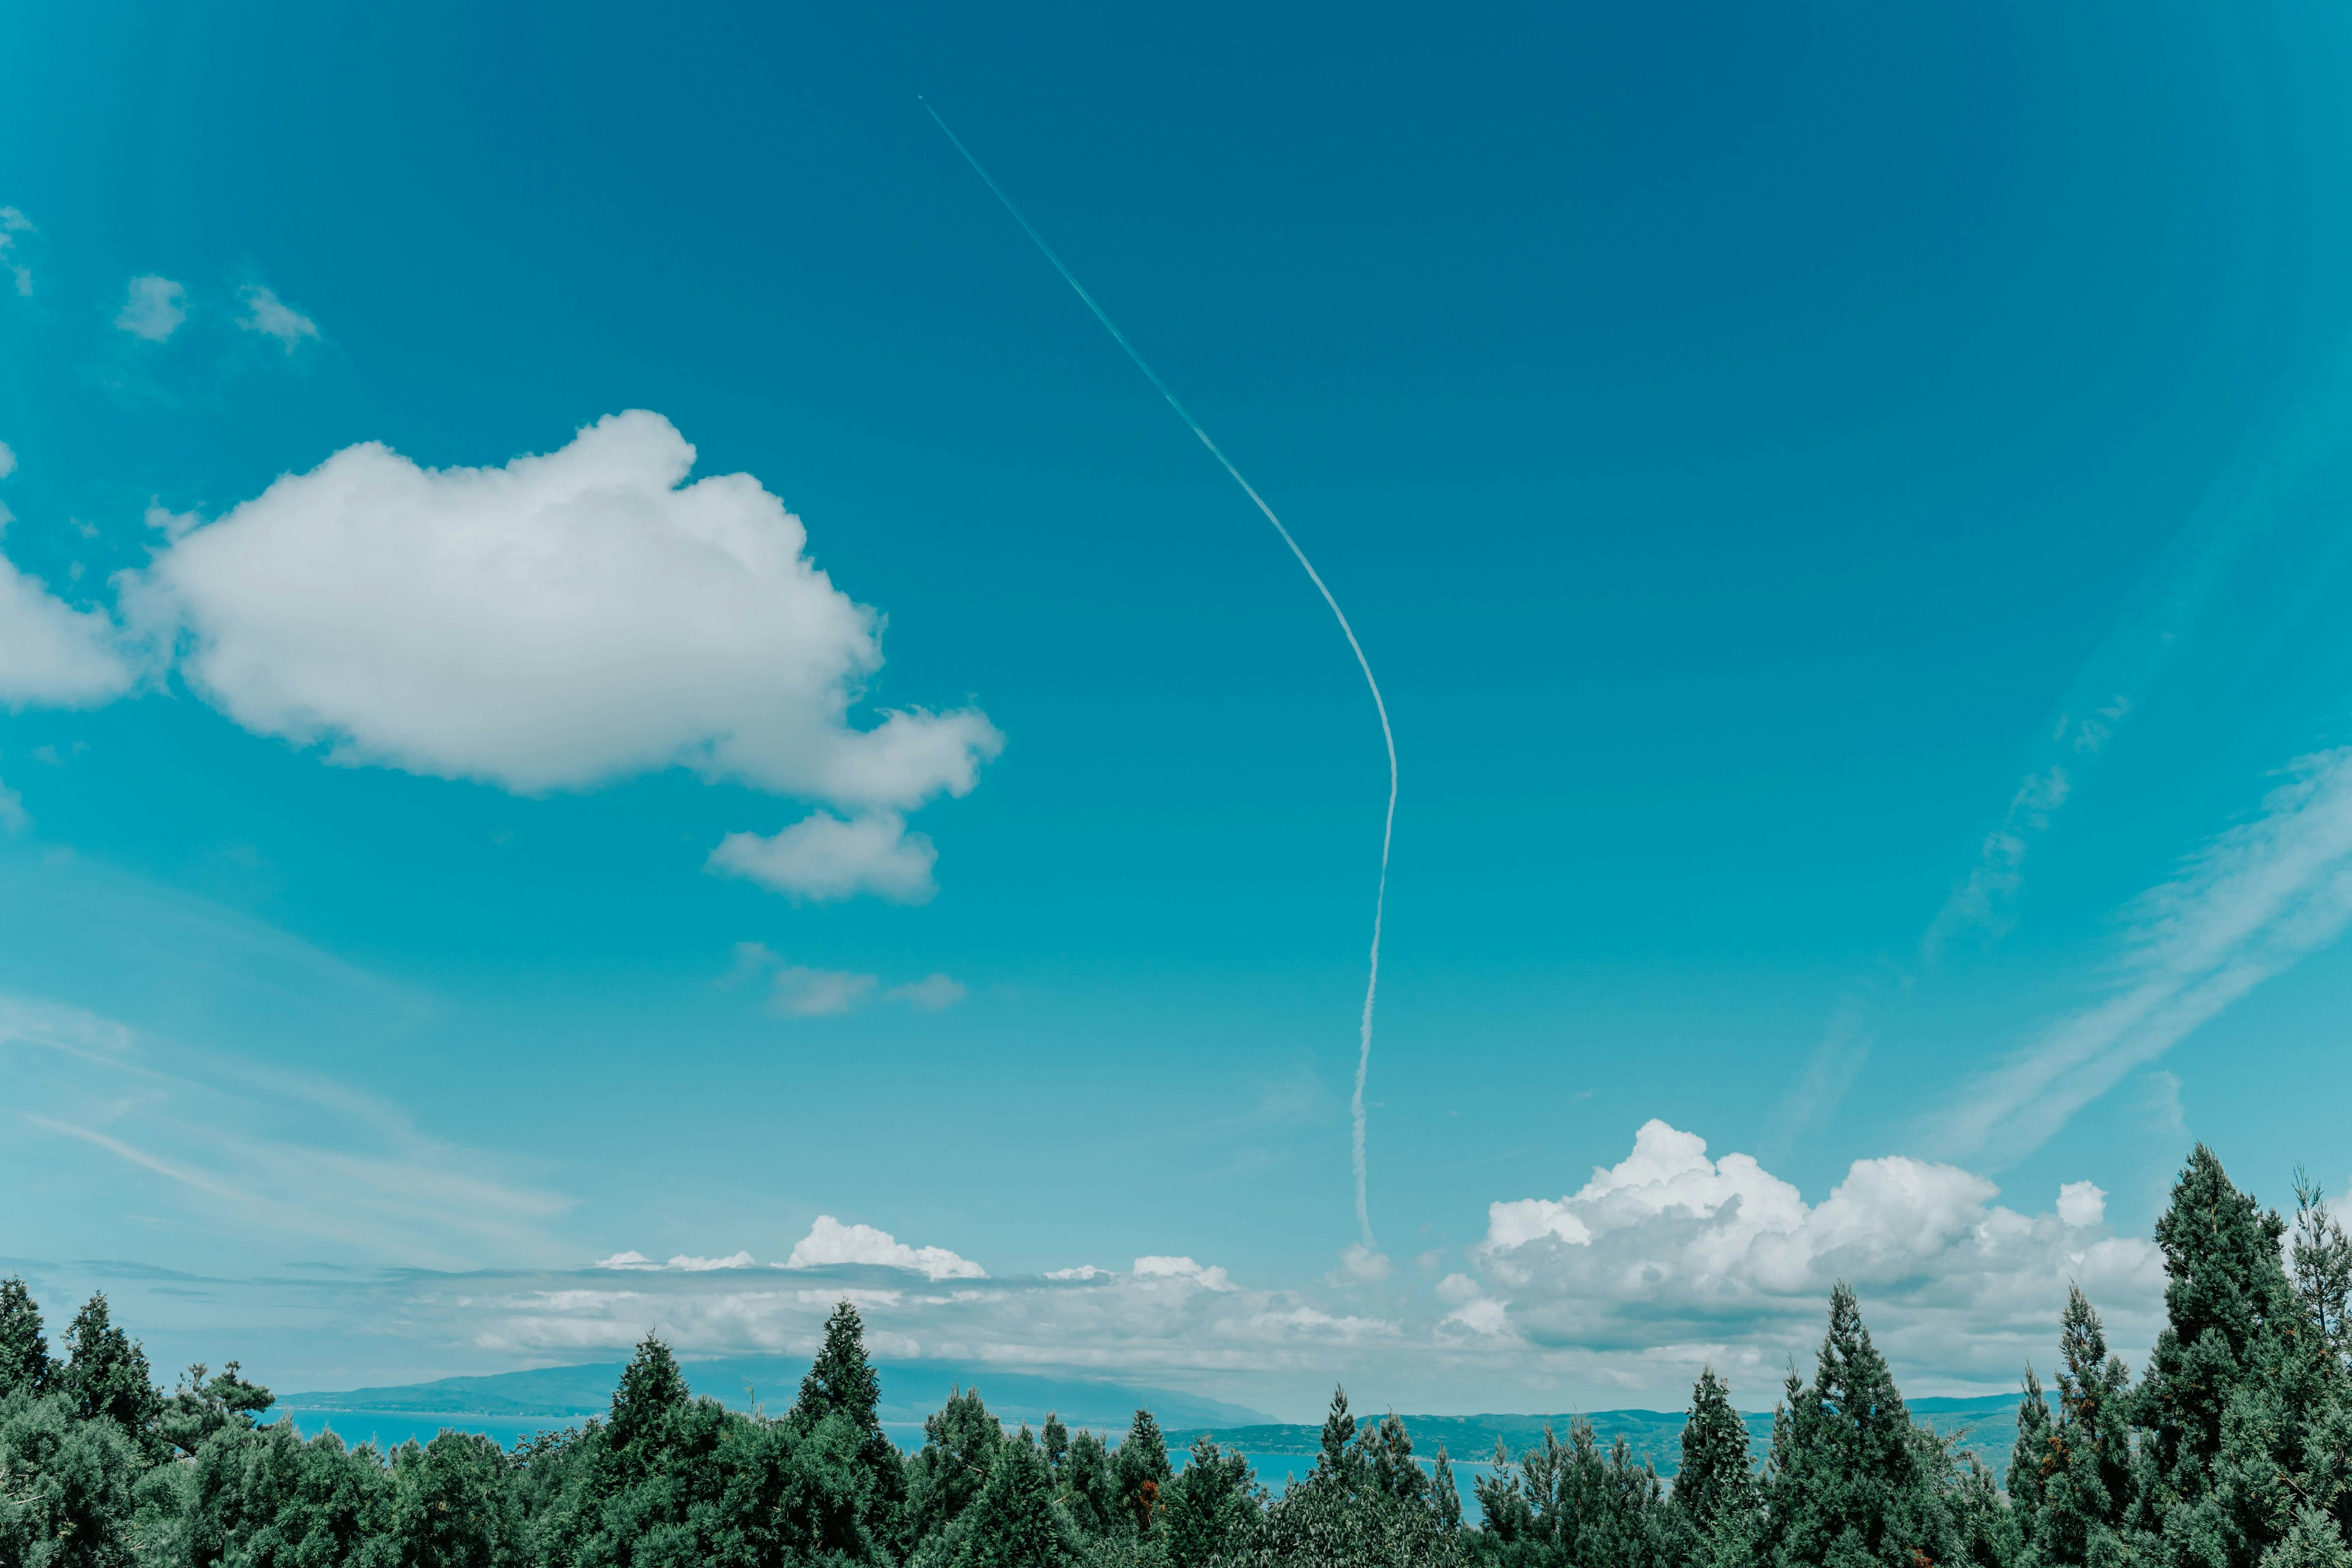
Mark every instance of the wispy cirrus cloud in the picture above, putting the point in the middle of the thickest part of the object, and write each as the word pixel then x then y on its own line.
pixel 262 1149
pixel 2249 905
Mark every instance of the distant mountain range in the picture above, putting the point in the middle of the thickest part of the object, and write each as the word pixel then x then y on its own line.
pixel 911 1390
pixel 1986 1428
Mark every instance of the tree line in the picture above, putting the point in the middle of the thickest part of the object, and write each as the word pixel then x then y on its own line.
pixel 2231 1449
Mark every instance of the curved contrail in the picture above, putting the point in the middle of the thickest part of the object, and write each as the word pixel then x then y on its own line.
pixel 1388 825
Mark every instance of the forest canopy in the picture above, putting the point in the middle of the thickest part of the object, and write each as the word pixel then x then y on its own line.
pixel 2231 1448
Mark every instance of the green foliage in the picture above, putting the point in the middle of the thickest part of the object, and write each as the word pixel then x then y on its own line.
pixel 1714 1476
pixel 204 1404
pixel 1850 1480
pixel 24 1347
pixel 1140 1468
pixel 106 1375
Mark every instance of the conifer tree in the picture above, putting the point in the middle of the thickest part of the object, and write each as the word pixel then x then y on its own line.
pixel 651 1391
pixel 1715 1475
pixel 2086 1469
pixel 840 1379
pixel 106 1373
pixel 23 1345
pixel 1849 1483
pixel 2232 1385
pixel 1209 1506
pixel 1088 1491
pixel 1140 1469
pixel 1055 1440
pixel 2030 1456
pixel 1013 1522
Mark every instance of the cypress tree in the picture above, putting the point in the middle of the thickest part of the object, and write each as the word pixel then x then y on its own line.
pixel 106 1373
pixel 1014 1522
pixel 651 1391
pixel 840 1378
pixel 1715 1476
pixel 23 1345
pixel 1848 1484
pixel 2086 1470
pixel 1140 1469
pixel 2029 1458
pixel 2232 1385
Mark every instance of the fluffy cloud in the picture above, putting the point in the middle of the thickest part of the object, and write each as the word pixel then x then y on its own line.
pixel 1672 1255
pixel 830 1242
pixel 52 655
pixel 270 316
pixel 153 308
pixel 824 858
pixel 552 623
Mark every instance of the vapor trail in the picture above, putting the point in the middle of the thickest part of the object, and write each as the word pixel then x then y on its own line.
pixel 1388 825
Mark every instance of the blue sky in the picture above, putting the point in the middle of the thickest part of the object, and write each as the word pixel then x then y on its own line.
pixel 1847 509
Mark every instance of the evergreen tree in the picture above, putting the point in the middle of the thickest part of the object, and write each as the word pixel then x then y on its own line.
pixel 106 1374
pixel 1140 1470
pixel 1850 1483
pixel 1209 1506
pixel 204 1404
pixel 651 1392
pixel 2311 1542
pixel 1715 1475
pixel 1055 1440
pixel 24 1344
pixel 2233 1385
pixel 1393 1471
pixel 2087 1468
pixel 1444 1495
pixel 962 1442
pixel 2031 1458
pixel 1014 1522
pixel 1088 1491
pixel 842 1384
pixel 840 1378
pixel 2323 1268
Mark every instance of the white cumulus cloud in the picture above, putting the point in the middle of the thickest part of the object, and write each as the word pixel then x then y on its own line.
pixel 272 317
pixel 1669 1248
pixel 831 1242
pixel 153 308
pixel 556 623
pixel 1183 1269
pixel 52 655
pixel 824 858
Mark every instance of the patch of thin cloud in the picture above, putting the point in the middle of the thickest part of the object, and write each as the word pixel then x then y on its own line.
pixel 246 1148
pixel 1670 1256
pixel 705 1265
pixel 7 461
pixel 932 994
pixel 824 858
pixel 1208 1277
pixel 830 1242
pixel 2250 905
pixel 265 313
pixel 14 817
pixel 13 223
pixel 2153 632
pixel 626 1260
pixel 558 623
pixel 799 991
pixel 153 308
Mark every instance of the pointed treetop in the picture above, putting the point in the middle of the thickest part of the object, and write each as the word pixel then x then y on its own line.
pixel 651 1388
pixel 23 1342
pixel 840 1378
